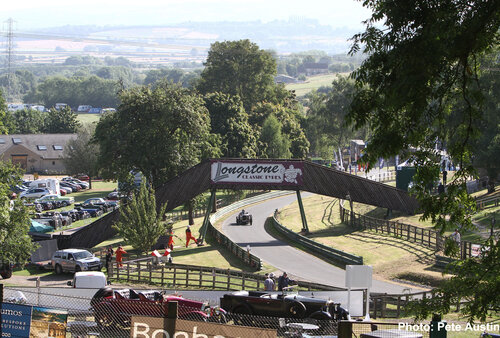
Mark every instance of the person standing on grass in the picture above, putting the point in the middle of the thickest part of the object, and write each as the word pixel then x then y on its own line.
pixel 284 281
pixel 269 283
pixel 109 258
pixel 189 236
pixel 119 254
pixel 456 237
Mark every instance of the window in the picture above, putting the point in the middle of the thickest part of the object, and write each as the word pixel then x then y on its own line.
pixel 16 140
pixel 57 147
pixel 41 147
pixel 2 141
pixel 53 162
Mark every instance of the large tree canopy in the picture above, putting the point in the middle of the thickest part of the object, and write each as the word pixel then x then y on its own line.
pixel 229 119
pixel 420 85
pixel 160 132
pixel 239 68
pixel 14 219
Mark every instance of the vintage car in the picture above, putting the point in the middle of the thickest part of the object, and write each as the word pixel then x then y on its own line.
pixel 59 201
pixel 288 304
pixel 113 308
pixel 244 218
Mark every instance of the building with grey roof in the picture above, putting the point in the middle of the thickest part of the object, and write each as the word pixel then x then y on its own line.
pixel 41 153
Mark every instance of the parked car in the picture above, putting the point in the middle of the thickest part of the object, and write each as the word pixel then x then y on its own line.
pixel 113 308
pixel 73 187
pixel 288 304
pixel 89 280
pixel 74 260
pixel 82 177
pixel 62 200
pixel 94 211
pixel 82 184
pixel 68 190
pixel 108 204
pixel 34 193
pixel 62 192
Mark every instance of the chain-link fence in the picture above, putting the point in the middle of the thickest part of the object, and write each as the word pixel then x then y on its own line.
pixel 111 313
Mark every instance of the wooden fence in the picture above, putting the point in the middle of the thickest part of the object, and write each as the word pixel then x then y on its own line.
pixel 429 238
pixel 393 306
pixel 191 276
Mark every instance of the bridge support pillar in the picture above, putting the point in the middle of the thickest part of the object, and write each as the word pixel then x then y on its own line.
pixel 206 219
pixel 305 228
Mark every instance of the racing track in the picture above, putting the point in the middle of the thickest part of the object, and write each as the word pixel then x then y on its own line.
pixel 296 263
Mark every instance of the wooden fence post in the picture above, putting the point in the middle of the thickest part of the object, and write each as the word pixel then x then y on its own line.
pixel 163 275
pixel 228 279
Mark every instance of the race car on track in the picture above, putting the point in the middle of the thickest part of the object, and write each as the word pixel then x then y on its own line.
pixel 244 218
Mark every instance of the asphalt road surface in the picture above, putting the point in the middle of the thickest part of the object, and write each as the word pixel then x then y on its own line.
pixel 296 263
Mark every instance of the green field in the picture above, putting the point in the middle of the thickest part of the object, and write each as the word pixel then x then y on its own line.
pixel 88 118
pixel 313 82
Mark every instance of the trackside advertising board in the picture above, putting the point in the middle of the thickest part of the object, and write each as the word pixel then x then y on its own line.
pixel 149 327
pixel 24 321
pixel 265 172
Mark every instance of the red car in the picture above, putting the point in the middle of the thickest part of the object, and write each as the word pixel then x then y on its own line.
pixel 113 308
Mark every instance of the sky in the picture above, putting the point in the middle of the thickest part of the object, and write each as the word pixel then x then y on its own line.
pixel 32 15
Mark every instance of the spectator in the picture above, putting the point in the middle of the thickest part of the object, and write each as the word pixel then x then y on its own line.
pixel 109 258
pixel 269 282
pixel 284 281
pixel 456 236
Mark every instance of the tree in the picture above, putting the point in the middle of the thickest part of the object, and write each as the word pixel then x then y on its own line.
pixel 418 85
pixel 229 119
pixel 239 68
pixel 4 117
pixel 81 154
pixel 141 224
pixel 159 132
pixel 288 115
pixel 27 121
pixel 61 121
pixel 14 219
pixel 326 128
pixel 276 144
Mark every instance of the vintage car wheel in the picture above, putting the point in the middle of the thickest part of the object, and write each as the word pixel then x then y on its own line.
pixel 58 269
pixel 104 320
pixel 297 310
pixel 6 274
pixel 240 313
pixel 220 318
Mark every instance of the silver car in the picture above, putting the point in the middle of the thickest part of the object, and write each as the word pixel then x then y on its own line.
pixel 74 260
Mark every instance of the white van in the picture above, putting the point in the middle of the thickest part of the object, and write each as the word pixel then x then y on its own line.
pixel 89 280
pixel 49 183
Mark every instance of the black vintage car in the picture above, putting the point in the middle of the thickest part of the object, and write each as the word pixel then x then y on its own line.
pixel 244 218
pixel 288 304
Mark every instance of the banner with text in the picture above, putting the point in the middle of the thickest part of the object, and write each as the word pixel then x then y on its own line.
pixel 265 172
pixel 32 321
pixel 149 327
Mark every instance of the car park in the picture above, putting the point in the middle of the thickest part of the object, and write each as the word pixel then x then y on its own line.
pixel 113 308
pixel 60 200
pixel 74 260
pixel 34 193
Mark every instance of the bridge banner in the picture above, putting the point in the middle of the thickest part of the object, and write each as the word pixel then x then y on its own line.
pixel 257 172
